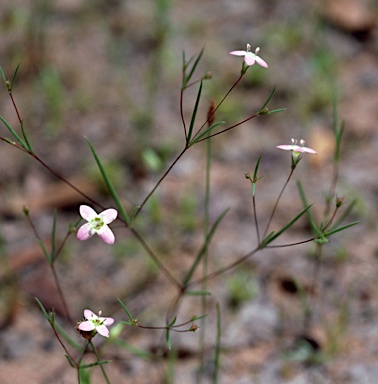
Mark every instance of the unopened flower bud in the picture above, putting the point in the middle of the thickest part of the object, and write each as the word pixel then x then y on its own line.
pixel 193 328
pixel 211 113
pixel 339 201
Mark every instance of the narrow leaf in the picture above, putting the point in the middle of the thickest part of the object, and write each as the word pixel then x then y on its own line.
pixel 95 364
pixel 168 339
pixel 70 362
pixel 14 75
pixel 126 310
pixel 341 228
pixel 190 74
pixel 261 110
pixel 47 316
pixel 256 169
pixel 27 142
pixel 267 240
pixel 205 132
pixel 194 114
pixel 346 213
pixel 109 184
pixel 203 250
pixel 133 350
pixel 198 293
pixel 53 237
pixel 275 111
pixel 3 75
pixel 44 250
pixel 13 132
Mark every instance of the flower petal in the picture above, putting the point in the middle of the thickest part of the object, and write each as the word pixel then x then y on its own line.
pixel 86 326
pixel 108 215
pixel 102 330
pixel 286 147
pixel 261 62
pixel 238 53
pixel 106 234
pixel 87 212
pixel 250 58
pixel 85 232
pixel 309 150
pixel 108 321
pixel 89 315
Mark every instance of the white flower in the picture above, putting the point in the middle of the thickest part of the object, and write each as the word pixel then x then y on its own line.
pixel 297 149
pixel 97 223
pixel 95 322
pixel 249 57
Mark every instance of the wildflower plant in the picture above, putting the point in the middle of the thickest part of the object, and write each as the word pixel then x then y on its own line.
pixel 194 280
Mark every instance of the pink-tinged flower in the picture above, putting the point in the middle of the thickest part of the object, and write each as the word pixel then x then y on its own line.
pixel 297 149
pixel 95 323
pixel 97 223
pixel 249 57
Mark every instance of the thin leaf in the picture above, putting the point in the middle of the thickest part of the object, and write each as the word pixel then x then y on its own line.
pixel 198 293
pixel 261 110
pixel 275 111
pixel 172 322
pixel 95 364
pixel 14 133
pixel 67 337
pixel 14 75
pixel 134 213
pixel 109 184
pixel 256 168
pixel 133 350
pixel 70 362
pixel 44 250
pixel 203 250
pixel 190 74
pixel 346 213
pixel 217 346
pixel 268 239
pixel 25 137
pixel 205 132
pixel 47 316
pixel 194 318
pixel 126 310
pixel 305 201
pixel 168 339
pixel 53 236
pixel 3 75
pixel 194 114
pixel 341 228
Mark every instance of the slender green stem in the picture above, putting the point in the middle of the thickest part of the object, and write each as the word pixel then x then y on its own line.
pixel 219 104
pixel 160 265
pixel 52 267
pixel 99 360
pixel 276 204
pixel 161 179
pixel 217 346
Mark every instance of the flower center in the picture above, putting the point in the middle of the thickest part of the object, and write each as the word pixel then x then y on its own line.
pixel 97 223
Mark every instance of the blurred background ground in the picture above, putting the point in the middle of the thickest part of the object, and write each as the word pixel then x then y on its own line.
pixel 111 71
